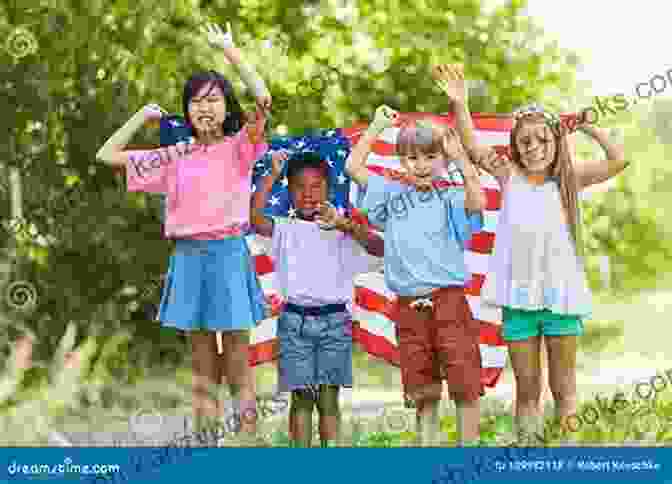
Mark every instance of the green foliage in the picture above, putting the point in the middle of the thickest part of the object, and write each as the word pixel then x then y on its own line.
pixel 628 222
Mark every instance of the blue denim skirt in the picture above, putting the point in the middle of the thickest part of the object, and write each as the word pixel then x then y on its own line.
pixel 211 285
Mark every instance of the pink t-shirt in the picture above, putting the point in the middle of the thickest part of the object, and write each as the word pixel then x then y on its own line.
pixel 207 192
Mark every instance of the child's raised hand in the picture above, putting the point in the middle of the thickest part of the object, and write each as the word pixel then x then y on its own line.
pixel 450 79
pixel 217 37
pixel 153 113
pixel 385 117
pixel 277 162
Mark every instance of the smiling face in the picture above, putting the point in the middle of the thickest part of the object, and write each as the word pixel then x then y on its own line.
pixel 424 149
pixel 207 109
pixel 308 188
pixel 536 146
pixel 421 166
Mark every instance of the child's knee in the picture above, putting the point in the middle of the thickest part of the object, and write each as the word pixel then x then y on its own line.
pixel 427 395
pixel 327 403
pixel 528 394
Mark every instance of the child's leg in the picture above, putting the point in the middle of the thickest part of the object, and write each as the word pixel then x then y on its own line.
pixel 562 374
pixel 241 378
pixel 333 369
pixel 224 372
pixel 205 376
pixel 296 370
pixel 301 414
pixel 330 414
pixel 468 416
pixel 420 374
pixel 527 371
pixel 457 339
pixel 428 421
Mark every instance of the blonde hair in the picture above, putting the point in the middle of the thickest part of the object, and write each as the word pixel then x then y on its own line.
pixel 561 170
pixel 424 136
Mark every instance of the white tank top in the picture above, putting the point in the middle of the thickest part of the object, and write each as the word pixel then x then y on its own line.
pixel 534 264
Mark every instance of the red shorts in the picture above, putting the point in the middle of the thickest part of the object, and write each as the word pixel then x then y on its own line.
pixel 439 342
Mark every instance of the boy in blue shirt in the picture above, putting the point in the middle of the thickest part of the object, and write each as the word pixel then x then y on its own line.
pixel 426 233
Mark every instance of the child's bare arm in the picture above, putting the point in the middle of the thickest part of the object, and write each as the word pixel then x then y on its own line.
pixel 223 41
pixel 592 172
pixel 474 198
pixel 112 152
pixel 355 165
pixel 262 224
pixel 450 79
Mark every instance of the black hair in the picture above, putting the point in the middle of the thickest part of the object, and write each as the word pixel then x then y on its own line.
pixel 234 119
pixel 301 161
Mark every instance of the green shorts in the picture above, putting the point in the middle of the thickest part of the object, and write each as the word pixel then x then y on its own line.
pixel 520 324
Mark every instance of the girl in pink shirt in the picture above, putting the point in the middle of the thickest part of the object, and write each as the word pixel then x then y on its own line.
pixel 211 284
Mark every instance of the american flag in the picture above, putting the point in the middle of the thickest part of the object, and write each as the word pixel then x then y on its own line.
pixel 373 307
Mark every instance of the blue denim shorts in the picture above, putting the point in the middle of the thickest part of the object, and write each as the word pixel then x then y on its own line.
pixel 314 350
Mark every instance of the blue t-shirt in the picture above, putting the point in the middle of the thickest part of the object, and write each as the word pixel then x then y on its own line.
pixel 425 234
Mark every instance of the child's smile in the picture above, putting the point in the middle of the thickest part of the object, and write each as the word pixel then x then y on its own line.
pixel 308 189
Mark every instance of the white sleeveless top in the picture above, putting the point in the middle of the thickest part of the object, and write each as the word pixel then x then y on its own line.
pixel 534 264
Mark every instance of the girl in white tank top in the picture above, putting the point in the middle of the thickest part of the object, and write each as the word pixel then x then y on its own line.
pixel 536 273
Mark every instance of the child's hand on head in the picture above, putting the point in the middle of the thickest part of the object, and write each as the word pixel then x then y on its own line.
pixel 450 79
pixel 278 160
pixel 216 37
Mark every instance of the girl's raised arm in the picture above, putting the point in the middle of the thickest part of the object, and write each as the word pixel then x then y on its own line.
pixel 112 152
pixel 355 165
pixel 450 79
pixel 592 172
pixel 224 41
